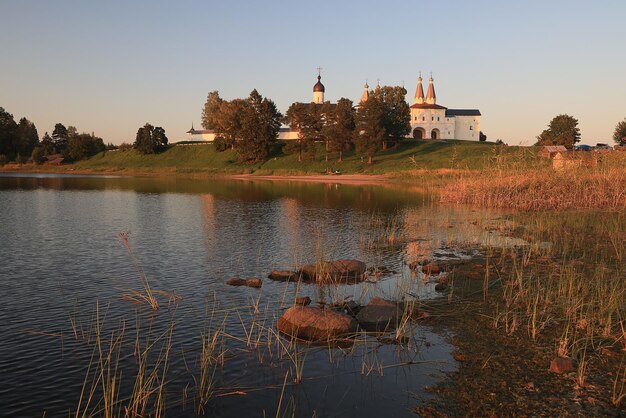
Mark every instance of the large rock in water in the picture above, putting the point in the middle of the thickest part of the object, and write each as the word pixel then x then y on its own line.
pixel 379 315
pixel 315 324
pixel 348 271
pixel 283 275
pixel 252 282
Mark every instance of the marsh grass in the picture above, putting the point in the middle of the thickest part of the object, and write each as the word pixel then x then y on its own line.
pixel 574 289
pixel 504 184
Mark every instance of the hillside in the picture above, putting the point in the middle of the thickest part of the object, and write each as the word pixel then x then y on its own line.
pixel 406 156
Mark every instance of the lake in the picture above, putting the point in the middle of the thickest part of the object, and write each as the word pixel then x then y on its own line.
pixel 67 280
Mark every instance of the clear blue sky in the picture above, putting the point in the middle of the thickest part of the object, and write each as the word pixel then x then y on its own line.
pixel 110 66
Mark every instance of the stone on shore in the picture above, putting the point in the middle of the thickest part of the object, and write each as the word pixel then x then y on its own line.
pixel 252 282
pixel 350 271
pixel 562 365
pixel 379 315
pixel 431 268
pixel 316 324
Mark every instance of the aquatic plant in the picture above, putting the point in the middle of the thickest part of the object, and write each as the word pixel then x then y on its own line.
pixel 147 296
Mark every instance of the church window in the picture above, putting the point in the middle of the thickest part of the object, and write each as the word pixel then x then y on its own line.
pixel 471 127
pixel 437 118
pixel 432 118
pixel 423 118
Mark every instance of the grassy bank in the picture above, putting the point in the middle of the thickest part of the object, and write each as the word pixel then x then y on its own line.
pixel 406 156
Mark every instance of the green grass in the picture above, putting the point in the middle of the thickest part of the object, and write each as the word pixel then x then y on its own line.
pixel 407 155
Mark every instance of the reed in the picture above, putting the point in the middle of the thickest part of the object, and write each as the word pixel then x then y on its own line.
pixel 542 188
pixel 147 296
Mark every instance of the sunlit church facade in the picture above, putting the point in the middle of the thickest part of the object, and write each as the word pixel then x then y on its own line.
pixel 429 120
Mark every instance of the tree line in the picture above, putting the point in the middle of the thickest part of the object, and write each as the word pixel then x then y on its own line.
pixel 250 126
pixel 19 142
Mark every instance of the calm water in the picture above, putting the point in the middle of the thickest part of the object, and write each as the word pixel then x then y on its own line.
pixel 61 260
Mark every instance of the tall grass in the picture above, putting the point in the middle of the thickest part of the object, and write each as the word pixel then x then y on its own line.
pixel 147 296
pixel 534 188
pixel 574 290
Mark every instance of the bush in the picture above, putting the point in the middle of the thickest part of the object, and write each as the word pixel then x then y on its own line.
pixel 125 146
pixel 3 159
pixel 220 144
pixel 37 155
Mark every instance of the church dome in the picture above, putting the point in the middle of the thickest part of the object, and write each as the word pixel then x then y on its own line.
pixel 319 86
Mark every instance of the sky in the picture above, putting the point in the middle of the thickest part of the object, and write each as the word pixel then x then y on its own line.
pixel 109 67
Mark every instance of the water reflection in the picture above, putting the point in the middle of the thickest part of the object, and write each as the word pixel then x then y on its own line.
pixel 61 257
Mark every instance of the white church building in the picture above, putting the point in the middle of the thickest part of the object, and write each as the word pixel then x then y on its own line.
pixel 432 121
pixel 428 119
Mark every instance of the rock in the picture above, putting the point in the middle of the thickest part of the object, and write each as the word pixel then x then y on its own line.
pixel 253 282
pixel 283 275
pixel 303 301
pixel 349 271
pixel 379 315
pixel 562 365
pixel 236 281
pixel 315 324
pixel 431 268
pixel 441 287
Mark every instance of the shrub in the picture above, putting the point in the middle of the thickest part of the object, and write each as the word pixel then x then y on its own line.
pixel 37 155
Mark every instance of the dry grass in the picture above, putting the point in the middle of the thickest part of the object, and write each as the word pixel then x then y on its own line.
pixel 542 188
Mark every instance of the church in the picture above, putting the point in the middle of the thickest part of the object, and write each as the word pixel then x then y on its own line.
pixel 432 121
pixel 428 119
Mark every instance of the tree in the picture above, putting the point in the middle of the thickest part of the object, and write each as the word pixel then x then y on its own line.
pixel 8 128
pixel 59 136
pixel 150 139
pixel 47 144
pixel 482 137
pixel 562 130
pixel 619 136
pixel 81 146
pixel 26 137
pixel 229 123
pixel 370 127
pixel 211 110
pixel 396 112
pixel 306 118
pixel 261 123
pixel 338 130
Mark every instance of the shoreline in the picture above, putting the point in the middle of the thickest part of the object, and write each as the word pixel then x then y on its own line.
pixel 355 179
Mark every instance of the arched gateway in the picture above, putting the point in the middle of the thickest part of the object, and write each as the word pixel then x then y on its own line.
pixel 419 133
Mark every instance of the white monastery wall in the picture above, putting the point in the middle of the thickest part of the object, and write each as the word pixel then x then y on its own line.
pixel 467 128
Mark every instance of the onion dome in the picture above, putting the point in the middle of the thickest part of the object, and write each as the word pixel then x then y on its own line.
pixel 319 87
